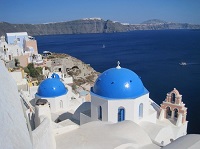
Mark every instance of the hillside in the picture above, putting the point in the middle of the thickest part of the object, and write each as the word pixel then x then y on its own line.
pixel 90 26
pixel 83 74
pixel 153 21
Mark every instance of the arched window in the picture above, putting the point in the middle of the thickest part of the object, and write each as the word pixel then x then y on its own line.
pixel 176 113
pixel 100 113
pixel 141 110
pixel 121 114
pixel 168 112
pixel 173 97
pixel 61 104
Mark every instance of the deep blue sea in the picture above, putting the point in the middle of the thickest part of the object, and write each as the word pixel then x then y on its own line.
pixel 153 55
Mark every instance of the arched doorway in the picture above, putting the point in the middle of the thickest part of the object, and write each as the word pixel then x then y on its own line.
pixel 141 110
pixel 168 112
pixel 121 114
pixel 100 113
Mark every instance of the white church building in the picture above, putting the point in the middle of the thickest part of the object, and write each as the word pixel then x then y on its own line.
pixel 119 94
pixel 55 92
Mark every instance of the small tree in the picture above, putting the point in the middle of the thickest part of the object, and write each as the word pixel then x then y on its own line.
pixel 32 70
pixel 34 73
pixel 39 70
pixel 30 66
pixel 40 78
pixel 26 70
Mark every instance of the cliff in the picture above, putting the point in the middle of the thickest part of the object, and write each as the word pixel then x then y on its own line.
pixel 90 26
pixel 83 74
pixel 71 27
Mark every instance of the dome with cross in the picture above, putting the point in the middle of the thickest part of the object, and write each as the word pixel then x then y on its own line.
pixel 119 83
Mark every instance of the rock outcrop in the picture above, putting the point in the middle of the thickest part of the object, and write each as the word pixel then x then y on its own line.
pixel 83 74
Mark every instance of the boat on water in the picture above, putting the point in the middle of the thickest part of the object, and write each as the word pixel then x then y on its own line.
pixel 46 52
pixel 103 46
pixel 183 63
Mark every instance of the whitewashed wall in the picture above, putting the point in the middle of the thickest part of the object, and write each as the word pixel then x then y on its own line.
pixel 110 109
pixel 43 137
pixel 55 102
pixel 14 133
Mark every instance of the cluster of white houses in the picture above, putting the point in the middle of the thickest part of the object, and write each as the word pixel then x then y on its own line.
pixel 117 95
pixel 119 115
pixel 22 47
pixel 19 46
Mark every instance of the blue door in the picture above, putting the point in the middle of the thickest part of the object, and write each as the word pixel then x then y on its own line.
pixel 121 114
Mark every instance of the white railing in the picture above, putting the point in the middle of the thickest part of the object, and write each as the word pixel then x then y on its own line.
pixel 27 104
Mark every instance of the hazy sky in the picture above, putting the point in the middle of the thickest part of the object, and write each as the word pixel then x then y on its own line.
pixel 125 11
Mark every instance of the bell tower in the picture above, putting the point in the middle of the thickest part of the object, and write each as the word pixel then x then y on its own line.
pixel 173 108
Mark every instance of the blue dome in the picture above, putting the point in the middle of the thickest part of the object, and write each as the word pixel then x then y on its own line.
pixel 119 83
pixel 51 87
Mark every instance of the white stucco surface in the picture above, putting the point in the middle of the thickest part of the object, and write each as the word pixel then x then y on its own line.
pixel 17 76
pixel 156 131
pixel 56 103
pixel 98 135
pixel 191 141
pixel 131 106
pixel 14 133
pixel 43 137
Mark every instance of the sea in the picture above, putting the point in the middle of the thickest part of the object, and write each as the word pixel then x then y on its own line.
pixel 154 55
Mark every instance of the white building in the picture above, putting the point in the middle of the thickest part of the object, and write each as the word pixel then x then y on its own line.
pixel 67 79
pixel 54 91
pixel 18 37
pixel 9 51
pixel 20 46
pixel 21 82
pixel 119 94
pixel 61 99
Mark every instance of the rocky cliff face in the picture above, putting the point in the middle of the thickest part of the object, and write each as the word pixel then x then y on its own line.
pixel 83 74
pixel 90 26
pixel 163 26
pixel 71 27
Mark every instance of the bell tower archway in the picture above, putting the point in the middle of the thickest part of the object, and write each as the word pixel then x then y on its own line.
pixel 174 108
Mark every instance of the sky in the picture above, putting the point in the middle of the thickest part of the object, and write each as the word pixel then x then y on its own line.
pixel 124 11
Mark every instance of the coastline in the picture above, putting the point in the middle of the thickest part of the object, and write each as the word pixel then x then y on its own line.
pixel 85 26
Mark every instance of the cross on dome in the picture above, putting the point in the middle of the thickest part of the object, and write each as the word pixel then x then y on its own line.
pixel 118 67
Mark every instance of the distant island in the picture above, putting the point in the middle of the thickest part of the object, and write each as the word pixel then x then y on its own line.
pixel 91 25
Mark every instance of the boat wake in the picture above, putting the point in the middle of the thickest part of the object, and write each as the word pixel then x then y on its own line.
pixel 184 63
